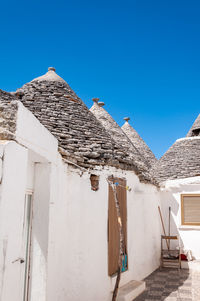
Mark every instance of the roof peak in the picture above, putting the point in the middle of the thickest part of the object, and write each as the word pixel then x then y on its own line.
pixel 138 142
pixel 50 76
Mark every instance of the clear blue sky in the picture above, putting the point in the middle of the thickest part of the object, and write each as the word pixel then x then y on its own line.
pixel 141 57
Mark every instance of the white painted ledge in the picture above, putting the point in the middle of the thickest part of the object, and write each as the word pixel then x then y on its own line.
pixel 184 227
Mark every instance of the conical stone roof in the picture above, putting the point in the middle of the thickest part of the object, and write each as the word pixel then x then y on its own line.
pixel 138 142
pixel 182 160
pixel 121 138
pixel 81 137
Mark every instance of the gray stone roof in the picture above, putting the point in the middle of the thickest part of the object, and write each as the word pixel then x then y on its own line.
pixel 182 160
pixel 81 137
pixel 8 115
pixel 138 142
pixel 121 138
pixel 195 129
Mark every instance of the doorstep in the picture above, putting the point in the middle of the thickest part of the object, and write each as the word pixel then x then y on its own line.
pixel 131 290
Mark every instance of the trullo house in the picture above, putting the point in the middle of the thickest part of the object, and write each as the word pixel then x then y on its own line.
pixel 178 173
pixel 59 238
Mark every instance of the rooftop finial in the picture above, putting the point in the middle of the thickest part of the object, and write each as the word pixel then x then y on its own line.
pixel 51 69
pixel 101 104
pixel 95 99
pixel 127 118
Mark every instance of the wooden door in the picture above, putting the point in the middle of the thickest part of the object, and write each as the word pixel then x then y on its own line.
pixel 113 231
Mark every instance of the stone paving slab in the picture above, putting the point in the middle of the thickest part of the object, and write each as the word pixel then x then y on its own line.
pixel 172 285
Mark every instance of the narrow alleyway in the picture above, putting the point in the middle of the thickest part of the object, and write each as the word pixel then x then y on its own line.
pixel 172 285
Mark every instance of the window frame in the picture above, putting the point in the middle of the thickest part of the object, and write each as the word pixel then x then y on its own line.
pixel 182 210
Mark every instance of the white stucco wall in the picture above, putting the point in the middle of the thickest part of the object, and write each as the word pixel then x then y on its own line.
pixel 69 229
pixel 69 234
pixel 18 174
pixel 78 261
pixel 12 193
pixel 21 174
pixel 171 196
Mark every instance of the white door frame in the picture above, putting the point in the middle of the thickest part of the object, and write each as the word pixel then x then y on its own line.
pixel 27 237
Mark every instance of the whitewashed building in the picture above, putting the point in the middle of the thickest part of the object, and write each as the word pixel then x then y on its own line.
pixel 58 235
pixel 178 173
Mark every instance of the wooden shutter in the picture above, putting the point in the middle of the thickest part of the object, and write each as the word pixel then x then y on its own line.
pixel 113 232
pixel 190 209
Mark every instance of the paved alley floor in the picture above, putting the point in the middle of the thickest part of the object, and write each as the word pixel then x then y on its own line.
pixel 172 285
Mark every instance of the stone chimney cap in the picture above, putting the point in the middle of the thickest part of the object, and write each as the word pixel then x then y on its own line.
pixel 127 118
pixel 101 103
pixel 52 69
pixel 19 92
pixel 95 99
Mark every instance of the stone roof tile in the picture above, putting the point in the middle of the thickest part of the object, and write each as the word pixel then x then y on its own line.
pixel 138 142
pixel 182 160
pixel 8 115
pixel 81 137
pixel 121 139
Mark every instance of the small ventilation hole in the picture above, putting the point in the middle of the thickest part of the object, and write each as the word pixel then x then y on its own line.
pixel 196 132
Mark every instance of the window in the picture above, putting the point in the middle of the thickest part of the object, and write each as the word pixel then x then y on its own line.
pixel 190 209
pixel 113 231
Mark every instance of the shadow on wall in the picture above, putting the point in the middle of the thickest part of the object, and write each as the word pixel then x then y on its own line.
pixel 172 199
pixel 171 221
pixel 169 216
pixel 41 208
